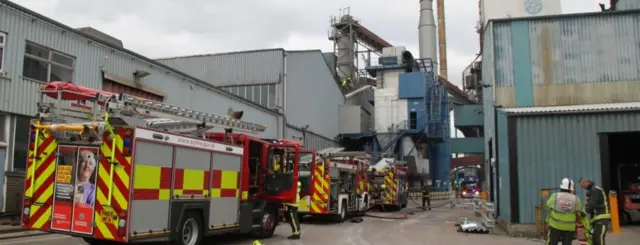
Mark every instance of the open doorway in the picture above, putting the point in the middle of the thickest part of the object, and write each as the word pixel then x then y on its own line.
pixel 621 172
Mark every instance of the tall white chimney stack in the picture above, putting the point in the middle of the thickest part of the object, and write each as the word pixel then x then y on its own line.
pixel 427 41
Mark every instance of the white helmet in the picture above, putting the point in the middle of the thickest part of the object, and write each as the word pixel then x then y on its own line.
pixel 567 184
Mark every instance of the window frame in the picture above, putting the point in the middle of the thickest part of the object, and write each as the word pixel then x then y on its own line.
pixel 49 61
pixel 3 45
pixel 4 130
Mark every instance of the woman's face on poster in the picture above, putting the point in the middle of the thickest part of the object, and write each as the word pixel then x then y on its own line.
pixel 87 164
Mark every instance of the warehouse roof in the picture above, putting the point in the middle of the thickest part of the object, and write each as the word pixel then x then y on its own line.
pixel 571 109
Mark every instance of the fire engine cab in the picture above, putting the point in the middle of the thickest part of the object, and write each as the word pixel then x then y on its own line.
pixel 118 168
pixel 334 184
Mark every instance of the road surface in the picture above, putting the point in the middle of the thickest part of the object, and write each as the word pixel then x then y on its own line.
pixel 434 227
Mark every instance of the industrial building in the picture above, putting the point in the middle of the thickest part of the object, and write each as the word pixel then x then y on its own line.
pixel 35 50
pixel 298 84
pixel 559 100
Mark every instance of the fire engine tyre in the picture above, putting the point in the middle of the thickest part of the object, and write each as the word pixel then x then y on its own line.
pixel 625 218
pixel 189 230
pixel 92 241
pixel 342 216
pixel 267 225
pixel 404 202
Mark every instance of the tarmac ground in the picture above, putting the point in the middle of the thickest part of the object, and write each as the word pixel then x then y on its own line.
pixel 419 228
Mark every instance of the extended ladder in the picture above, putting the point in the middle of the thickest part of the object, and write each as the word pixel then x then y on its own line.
pixel 134 111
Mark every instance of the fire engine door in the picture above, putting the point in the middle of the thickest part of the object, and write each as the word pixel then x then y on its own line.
pixel 75 189
pixel 282 173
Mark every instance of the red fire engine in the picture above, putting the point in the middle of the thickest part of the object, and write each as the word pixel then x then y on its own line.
pixel 334 184
pixel 395 178
pixel 128 169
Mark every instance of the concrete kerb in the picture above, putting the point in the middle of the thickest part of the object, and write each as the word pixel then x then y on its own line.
pixel 18 232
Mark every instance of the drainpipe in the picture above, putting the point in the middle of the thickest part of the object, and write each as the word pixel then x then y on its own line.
pixel 284 94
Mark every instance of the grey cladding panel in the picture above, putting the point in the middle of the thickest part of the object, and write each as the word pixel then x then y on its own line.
pixel 153 154
pixel 224 211
pixel 223 161
pixel 149 215
pixel 187 158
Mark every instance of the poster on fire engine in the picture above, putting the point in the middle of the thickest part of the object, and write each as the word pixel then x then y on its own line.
pixel 63 192
pixel 85 190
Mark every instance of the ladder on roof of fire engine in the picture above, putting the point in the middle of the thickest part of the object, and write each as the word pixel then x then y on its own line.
pixel 132 110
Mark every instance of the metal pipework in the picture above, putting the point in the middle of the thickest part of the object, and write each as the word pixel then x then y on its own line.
pixel 442 39
pixel 427 31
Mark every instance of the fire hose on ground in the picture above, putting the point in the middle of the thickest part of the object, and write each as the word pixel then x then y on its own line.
pixel 406 216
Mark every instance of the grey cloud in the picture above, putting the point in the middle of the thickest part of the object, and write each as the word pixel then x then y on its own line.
pixel 160 28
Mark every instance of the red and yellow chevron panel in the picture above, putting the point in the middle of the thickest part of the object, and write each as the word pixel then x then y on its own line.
pixel 392 186
pixel 116 182
pixel 320 190
pixel 226 183
pixel 39 179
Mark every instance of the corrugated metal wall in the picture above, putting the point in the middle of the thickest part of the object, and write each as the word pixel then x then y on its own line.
pixel 313 96
pixel 311 140
pixel 19 95
pixel 236 68
pixel 627 4
pixel 554 147
pixel 573 59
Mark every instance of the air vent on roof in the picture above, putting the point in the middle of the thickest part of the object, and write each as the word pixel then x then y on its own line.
pixel 101 36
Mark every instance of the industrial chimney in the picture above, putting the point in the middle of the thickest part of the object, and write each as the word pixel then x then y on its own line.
pixel 427 31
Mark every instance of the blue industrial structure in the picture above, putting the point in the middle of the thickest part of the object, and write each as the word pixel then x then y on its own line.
pixel 428 116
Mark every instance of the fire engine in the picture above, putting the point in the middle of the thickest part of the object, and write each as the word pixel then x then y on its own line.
pixel 132 170
pixel 334 184
pixel 396 195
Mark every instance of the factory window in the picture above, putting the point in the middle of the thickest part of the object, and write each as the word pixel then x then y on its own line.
pixel 264 95
pixel 21 142
pixel 46 65
pixel 413 120
pixel 3 137
pixel 3 43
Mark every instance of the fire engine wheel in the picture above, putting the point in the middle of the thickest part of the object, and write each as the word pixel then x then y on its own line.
pixel 92 241
pixel 342 216
pixel 404 202
pixel 189 230
pixel 267 225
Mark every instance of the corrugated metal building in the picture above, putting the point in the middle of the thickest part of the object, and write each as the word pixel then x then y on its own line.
pixel 564 60
pixel 35 50
pixel 311 94
pixel 548 83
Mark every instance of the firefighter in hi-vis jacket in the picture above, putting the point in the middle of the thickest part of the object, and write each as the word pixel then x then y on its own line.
pixel 292 211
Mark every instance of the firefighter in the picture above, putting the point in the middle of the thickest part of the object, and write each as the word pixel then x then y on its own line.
pixel 426 196
pixel 292 211
pixel 345 83
pixel 597 207
pixel 563 207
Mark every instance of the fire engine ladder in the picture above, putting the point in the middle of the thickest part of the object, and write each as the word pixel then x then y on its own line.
pixel 127 110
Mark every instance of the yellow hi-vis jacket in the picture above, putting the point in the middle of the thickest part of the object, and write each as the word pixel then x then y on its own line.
pixel 564 220
pixel 297 196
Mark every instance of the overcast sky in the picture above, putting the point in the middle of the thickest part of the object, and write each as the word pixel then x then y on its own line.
pixel 162 28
